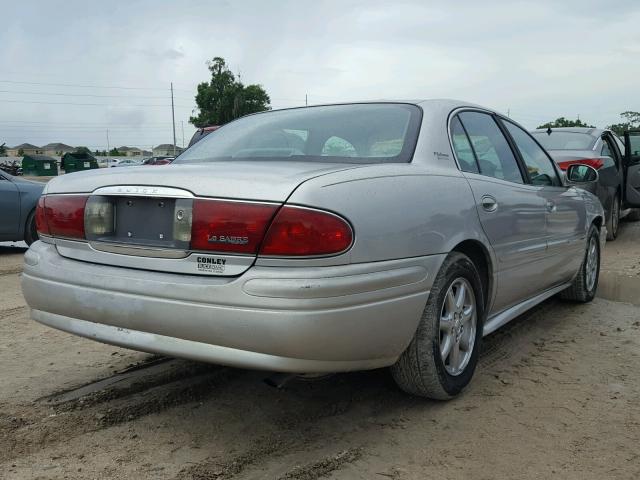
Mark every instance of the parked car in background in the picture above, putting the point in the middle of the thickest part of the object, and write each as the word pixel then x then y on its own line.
pixel 18 199
pixel 108 162
pixel 158 161
pixel 201 133
pixel 128 163
pixel 602 150
pixel 322 239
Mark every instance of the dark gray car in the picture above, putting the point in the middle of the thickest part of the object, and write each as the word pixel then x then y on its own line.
pixel 18 199
pixel 604 151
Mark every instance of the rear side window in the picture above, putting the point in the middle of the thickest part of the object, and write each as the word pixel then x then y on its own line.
pixel 539 166
pixel 462 147
pixel 494 155
pixel 354 133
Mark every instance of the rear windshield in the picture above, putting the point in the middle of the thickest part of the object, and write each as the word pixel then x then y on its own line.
pixel 356 133
pixel 565 140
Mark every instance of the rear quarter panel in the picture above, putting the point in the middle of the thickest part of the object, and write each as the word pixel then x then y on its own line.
pixel 396 210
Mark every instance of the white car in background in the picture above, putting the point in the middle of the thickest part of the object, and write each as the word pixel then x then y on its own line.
pixel 128 162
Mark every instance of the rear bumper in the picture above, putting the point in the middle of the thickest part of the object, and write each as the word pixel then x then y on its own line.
pixel 316 319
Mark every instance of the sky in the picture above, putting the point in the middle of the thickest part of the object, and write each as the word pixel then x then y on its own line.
pixel 72 70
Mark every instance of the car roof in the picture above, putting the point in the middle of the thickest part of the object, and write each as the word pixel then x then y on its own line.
pixel 433 105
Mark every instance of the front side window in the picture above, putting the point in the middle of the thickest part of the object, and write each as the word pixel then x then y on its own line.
pixel 610 150
pixel 355 133
pixel 620 144
pixel 491 148
pixel 539 166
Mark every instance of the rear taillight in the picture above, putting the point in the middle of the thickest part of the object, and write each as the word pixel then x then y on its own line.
pixel 596 163
pixel 211 225
pixel 234 227
pixel 64 215
pixel 41 221
pixel 299 231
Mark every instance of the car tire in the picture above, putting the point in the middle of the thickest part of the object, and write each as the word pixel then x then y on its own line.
pixel 30 230
pixel 585 284
pixel 614 219
pixel 634 215
pixel 423 369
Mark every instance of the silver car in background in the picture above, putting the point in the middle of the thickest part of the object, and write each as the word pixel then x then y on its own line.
pixel 321 239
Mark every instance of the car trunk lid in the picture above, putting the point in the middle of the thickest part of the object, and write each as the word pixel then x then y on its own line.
pixel 142 217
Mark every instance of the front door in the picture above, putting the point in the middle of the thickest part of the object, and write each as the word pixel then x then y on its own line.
pixel 565 213
pixel 512 213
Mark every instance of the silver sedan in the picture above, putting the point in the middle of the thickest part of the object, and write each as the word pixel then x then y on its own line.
pixel 322 239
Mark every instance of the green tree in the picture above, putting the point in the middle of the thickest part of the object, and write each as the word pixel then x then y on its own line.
pixel 82 150
pixel 3 150
pixel 224 98
pixel 21 152
pixel 631 121
pixel 115 152
pixel 564 122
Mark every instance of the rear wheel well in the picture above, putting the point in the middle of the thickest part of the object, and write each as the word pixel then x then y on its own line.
pixel 480 258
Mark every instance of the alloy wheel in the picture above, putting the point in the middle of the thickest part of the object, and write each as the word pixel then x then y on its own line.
pixel 458 323
pixel 592 263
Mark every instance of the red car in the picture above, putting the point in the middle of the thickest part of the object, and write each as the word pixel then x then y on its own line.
pixel 158 161
pixel 201 133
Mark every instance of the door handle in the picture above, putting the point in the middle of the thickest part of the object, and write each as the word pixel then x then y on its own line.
pixel 551 206
pixel 489 203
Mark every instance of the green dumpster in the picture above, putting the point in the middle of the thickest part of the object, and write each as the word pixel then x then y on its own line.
pixel 78 161
pixel 39 166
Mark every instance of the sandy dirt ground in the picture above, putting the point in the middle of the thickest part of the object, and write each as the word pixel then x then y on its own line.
pixel 556 395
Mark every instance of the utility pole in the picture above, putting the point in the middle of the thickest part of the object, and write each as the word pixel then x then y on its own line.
pixel 108 147
pixel 306 104
pixel 508 112
pixel 173 120
pixel 182 124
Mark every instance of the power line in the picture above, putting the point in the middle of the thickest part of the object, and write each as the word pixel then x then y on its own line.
pixel 58 94
pixel 83 123
pixel 89 86
pixel 92 104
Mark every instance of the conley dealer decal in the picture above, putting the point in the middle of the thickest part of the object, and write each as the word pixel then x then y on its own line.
pixel 212 265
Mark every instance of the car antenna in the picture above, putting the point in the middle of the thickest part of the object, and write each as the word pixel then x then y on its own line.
pixel 549 130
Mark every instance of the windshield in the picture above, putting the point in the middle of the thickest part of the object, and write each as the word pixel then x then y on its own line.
pixel 565 140
pixel 356 133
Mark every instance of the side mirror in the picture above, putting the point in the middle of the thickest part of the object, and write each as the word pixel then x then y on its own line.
pixel 578 173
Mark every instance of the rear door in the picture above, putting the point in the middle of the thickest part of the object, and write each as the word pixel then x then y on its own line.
pixel 632 166
pixel 9 208
pixel 512 213
pixel 565 212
